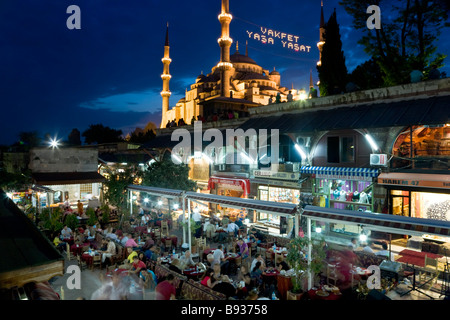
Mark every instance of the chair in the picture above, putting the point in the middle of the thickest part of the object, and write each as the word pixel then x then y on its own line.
pixel 332 274
pixel 168 244
pixel 164 228
pixel 81 263
pixel 430 272
pixel 97 261
pixel 69 254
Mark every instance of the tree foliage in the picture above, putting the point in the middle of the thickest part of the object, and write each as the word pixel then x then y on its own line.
pixel 332 71
pixel 15 181
pixel 74 137
pixel 407 38
pixel 115 186
pixel 97 133
pixel 166 174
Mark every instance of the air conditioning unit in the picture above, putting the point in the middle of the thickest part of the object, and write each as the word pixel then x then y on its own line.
pixel 378 159
pixel 222 167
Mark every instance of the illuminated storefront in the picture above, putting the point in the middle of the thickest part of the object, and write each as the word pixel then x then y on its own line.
pixel 281 187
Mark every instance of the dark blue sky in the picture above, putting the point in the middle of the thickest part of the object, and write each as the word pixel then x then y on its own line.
pixel 55 79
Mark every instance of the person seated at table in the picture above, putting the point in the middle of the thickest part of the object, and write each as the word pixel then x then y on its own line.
pixel 353 245
pixel 175 266
pixel 152 253
pixel 210 230
pixel 129 260
pixel 59 244
pixel 369 247
pixel 244 252
pixel 166 290
pixel 78 237
pixel 149 279
pixel 255 235
pixel 244 278
pixel 225 286
pixel 148 243
pixel 258 258
pixel 124 239
pixel 89 233
pixel 206 276
pixel 256 274
pixel 66 233
pixel 385 252
pixel 281 264
pixel 219 258
pixel 130 242
pixel 142 257
pixel 144 219
pixel 215 276
pixel 186 260
pixel 159 215
pixel 110 250
pixel 253 294
pixel 233 227
pixel 136 266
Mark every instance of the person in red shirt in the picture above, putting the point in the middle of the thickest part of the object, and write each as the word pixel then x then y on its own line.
pixel 137 265
pixel 166 290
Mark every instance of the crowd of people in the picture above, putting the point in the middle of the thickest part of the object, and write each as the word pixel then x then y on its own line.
pixel 142 249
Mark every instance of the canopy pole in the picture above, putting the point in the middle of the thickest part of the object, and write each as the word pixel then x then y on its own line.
pixel 189 225
pixel 296 224
pixel 309 253
pixel 184 218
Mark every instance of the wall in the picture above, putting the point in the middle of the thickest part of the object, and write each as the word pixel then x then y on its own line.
pixel 63 160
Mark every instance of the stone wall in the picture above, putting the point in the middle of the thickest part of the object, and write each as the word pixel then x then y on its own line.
pixel 63 160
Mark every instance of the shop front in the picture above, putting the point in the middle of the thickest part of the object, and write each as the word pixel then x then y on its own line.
pixel 229 187
pixel 281 187
pixel 343 188
pixel 425 196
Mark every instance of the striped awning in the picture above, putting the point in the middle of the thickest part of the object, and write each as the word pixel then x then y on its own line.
pixel 157 191
pixel 239 203
pixel 343 173
pixel 380 221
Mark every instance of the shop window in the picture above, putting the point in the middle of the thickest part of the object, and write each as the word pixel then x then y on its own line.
pixel 427 142
pixel 426 205
pixel 340 149
pixel 57 197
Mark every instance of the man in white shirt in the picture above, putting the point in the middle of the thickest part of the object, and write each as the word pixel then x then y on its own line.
pixel 368 248
pixel 233 227
pixel 385 252
pixel 124 240
pixel 144 220
pixel 197 217
pixel 110 250
pixel 258 257
pixel 66 233
pixel 219 258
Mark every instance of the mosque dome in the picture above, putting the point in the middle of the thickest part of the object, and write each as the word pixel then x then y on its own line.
pixel 240 58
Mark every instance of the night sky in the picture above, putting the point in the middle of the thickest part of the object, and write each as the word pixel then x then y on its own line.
pixel 55 79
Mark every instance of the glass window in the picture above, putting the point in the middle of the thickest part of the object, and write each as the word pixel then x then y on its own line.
pixel 333 149
pixel 347 149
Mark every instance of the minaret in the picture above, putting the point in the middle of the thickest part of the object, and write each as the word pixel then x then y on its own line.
pixel 225 66
pixel 311 84
pixel 165 93
pixel 322 32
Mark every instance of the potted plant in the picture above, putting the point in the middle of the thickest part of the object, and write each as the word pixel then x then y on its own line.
pixel 298 260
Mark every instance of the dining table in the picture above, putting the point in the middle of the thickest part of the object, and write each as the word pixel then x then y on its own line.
pixel 322 294
pixel 416 258
pixel 76 249
pixel 89 257
pixel 193 273
pixel 135 290
pixel 173 238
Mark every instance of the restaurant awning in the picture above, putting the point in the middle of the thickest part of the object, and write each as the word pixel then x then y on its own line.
pixel 342 173
pixel 379 221
pixel 59 178
pixel 168 193
pixel 27 255
pixel 240 182
pixel 239 203
pixel 415 180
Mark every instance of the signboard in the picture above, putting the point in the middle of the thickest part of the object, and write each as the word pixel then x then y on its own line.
pixel 416 180
pixel 276 175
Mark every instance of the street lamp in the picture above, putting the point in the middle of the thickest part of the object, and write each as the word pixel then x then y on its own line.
pixel 54 143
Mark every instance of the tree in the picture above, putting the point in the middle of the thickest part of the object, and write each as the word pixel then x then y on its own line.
pixel 367 75
pixel 139 136
pixel 407 37
pixel 332 71
pixel 74 137
pixel 15 181
pixel 97 133
pixel 115 186
pixel 166 174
